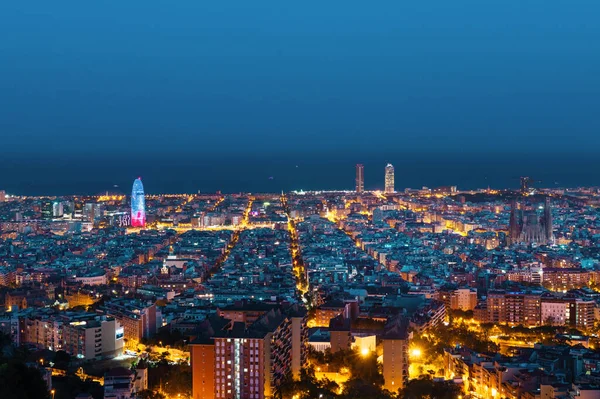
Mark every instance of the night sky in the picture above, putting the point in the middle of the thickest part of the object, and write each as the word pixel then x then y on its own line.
pixel 265 76
pixel 278 95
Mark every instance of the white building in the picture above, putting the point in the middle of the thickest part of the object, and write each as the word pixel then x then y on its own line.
pixel 122 383
pixel 84 335
pixel 57 209
pixel 90 279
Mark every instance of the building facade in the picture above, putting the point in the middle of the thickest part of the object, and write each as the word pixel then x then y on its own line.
pixel 83 335
pixel 463 299
pixel 139 319
pixel 238 361
pixel 395 356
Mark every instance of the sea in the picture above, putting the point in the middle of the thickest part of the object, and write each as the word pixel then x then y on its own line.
pixel 174 172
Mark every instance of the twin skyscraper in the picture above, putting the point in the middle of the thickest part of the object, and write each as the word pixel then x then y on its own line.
pixel 389 178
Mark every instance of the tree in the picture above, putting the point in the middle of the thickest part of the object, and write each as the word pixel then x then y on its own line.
pixel 307 387
pixel 358 389
pixel 461 314
pixel 426 387
pixel 70 386
pixel 62 360
pixel 173 379
pixel 149 394
pixel 22 382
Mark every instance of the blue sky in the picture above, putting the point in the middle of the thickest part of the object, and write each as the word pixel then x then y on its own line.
pixel 272 76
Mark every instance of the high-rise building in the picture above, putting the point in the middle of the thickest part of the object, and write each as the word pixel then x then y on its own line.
pixel 233 360
pixel 92 211
pixel 47 210
pixel 2 196
pixel 389 178
pixel 138 204
pixel 57 209
pixel 360 178
pixel 395 355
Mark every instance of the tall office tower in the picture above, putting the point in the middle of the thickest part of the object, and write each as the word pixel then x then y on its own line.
pixel 47 209
pixel 360 178
pixel 526 185
pixel 57 209
pixel 389 178
pixel 138 204
pixel 88 212
pixel 2 196
pixel 93 211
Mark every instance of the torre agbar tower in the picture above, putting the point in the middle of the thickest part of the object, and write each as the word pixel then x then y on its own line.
pixel 138 204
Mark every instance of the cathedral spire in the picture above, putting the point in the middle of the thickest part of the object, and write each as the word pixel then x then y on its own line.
pixel 548 228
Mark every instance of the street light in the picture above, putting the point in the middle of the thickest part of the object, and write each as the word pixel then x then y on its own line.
pixel 53 392
pixel 365 351
pixel 416 352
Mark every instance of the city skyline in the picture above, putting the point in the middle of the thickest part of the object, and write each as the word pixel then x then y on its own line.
pixel 251 174
pixel 264 287
pixel 340 200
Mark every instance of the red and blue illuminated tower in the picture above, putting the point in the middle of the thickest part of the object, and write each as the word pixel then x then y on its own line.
pixel 138 204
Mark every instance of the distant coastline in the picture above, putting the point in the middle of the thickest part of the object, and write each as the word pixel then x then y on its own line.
pixel 173 173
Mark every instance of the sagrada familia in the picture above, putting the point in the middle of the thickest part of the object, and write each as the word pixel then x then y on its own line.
pixel 528 226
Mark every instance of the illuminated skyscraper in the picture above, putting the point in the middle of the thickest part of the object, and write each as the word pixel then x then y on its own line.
pixel 57 209
pixel 46 210
pixel 389 178
pixel 360 178
pixel 138 204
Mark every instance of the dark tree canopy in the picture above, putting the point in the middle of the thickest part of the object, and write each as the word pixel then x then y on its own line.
pixel 426 387
pixel 17 381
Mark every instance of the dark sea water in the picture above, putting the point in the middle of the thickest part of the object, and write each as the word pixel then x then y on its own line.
pixel 190 173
